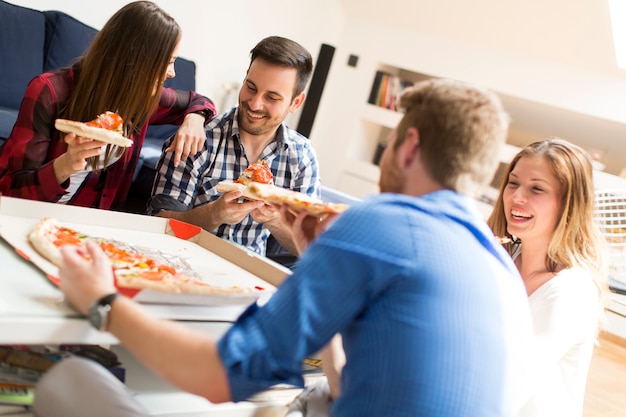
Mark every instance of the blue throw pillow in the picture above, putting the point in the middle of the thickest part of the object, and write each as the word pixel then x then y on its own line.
pixel 66 40
pixel 185 75
pixel 22 32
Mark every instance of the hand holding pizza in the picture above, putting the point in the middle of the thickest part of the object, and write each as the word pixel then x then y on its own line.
pixel 85 275
pixel 266 213
pixel 304 227
pixel 75 157
pixel 227 209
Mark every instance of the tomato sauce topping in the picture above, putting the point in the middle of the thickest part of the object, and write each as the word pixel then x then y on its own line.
pixel 66 236
pixel 258 172
pixel 107 120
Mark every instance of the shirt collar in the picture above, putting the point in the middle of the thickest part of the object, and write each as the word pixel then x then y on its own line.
pixel 281 138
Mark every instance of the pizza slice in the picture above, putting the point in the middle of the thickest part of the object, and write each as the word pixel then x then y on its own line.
pixel 258 172
pixel 107 127
pixel 296 201
pixel 136 268
pixel 256 183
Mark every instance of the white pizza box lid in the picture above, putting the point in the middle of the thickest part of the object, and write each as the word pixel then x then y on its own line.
pixel 218 261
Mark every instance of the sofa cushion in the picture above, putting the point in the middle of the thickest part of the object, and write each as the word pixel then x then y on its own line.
pixel 7 120
pixel 185 78
pixel 22 34
pixel 66 40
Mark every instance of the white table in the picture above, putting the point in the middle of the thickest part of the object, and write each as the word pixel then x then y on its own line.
pixel 32 311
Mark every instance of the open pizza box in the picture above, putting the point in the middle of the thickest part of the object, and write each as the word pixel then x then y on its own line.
pixel 218 262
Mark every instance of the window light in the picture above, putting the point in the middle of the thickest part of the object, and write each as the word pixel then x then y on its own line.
pixel 617 10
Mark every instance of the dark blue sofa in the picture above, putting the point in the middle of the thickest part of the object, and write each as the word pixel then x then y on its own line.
pixel 33 42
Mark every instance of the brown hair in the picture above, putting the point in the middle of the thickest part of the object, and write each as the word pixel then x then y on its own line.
pixel 285 53
pixel 126 61
pixel 461 129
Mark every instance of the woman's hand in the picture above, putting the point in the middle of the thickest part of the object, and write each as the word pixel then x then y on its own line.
pixel 189 138
pixel 79 149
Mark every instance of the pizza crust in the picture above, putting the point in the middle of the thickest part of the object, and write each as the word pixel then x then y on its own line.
pixel 228 186
pixel 97 133
pixel 178 285
pixel 272 194
pixel 38 237
pixel 297 201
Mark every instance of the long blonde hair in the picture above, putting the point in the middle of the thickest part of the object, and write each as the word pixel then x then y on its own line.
pixel 577 240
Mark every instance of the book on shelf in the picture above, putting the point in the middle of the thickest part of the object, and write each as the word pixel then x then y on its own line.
pixel 386 88
pixel 16 394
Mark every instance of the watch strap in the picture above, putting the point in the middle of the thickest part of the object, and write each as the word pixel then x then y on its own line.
pixel 204 113
pixel 98 314
pixel 107 299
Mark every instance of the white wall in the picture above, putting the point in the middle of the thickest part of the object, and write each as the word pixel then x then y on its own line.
pixel 557 53
pixel 218 35
pixel 552 60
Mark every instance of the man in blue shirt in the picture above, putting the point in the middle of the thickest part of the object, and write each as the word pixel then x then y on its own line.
pixel 252 131
pixel 432 313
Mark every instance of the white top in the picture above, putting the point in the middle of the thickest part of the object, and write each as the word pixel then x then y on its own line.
pixel 77 178
pixel 565 312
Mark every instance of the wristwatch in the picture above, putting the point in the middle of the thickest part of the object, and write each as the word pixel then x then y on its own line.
pixel 98 314
pixel 204 113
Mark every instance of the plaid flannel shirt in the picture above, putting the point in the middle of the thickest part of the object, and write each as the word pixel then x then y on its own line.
pixel 291 158
pixel 26 159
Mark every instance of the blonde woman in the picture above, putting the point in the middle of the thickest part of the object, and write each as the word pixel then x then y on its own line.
pixel 545 207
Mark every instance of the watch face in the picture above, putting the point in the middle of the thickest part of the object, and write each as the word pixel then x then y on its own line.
pixel 96 316
pixel 99 312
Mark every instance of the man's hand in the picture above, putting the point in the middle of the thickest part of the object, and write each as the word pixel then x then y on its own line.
pixel 224 210
pixel 266 213
pixel 86 275
pixel 229 210
pixel 304 228
pixel 189 138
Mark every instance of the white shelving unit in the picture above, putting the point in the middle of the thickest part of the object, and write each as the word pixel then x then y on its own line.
pixel 544 99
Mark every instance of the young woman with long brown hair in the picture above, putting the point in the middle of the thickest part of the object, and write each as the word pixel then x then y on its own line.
pixel 122 71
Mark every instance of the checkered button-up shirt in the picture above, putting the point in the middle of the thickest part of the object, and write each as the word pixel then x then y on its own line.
pixel 291 158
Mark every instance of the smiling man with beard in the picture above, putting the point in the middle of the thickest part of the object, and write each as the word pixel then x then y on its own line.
pixel 252 131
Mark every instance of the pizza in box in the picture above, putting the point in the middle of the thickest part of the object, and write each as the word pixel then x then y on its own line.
pixel 135 268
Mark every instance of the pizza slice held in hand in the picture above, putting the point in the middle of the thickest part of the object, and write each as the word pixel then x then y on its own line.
pixel 258 172
pixel 256 183
pixel 107 128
